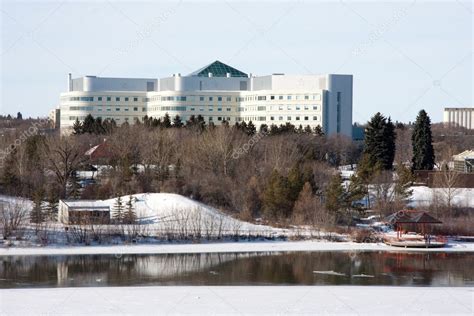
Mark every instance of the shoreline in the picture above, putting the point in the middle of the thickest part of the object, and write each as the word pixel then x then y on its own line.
pixel 224 247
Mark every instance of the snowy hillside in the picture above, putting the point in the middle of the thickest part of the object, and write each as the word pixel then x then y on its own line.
pixel 167 211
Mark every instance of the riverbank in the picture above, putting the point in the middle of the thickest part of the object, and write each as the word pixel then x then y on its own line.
pixel 199 300
pixel 223 247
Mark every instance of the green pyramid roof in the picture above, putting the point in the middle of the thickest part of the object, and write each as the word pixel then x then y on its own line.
pixel 218 69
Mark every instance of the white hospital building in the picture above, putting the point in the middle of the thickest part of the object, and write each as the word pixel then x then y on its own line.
pixel 217 92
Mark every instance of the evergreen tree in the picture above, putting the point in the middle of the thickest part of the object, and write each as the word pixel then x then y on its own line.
pixel 130 217
pixel 37 212
pixel 75 187
pixel 318 131
pixel 403 185
pixel 19 116
pixel 263 128
pixel 295 183
pixel 166 121
pixel 77 127
pixel 308 130
pixel 118 208
pixel 251 129
pixel 11 182
pixel 335 197
pixel 276 201
pixel 88 125
pixel 52 206
pixel 177 121
pixel 98 127
pixel 423 153
pixel 380 141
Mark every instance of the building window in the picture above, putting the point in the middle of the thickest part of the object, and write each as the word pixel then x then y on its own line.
pixel 117 109
pixel 280 118
pixel 315 107
pixel 135 109
pixel 298 107
pixel 219 118
pixel 109 109
pixel 135 99
pixel 297 118
pixel 272 118
pixel 262 97
pixel 109 99
pixel 117 98
pixel 201 98
pixel 99 98
pixel 192 109
pixel 315 118
pixel 126 109
pixel 306 97
pixel 289 118
pixel 229 99
pixel 272 97
pixel 126 99
pixel 288 97
pixel 219 109
pixel 280 97
pixel 306 107
pixel 210 109
pixel 219 99
pixel 211 98
pixel 228 109
pixel 306 118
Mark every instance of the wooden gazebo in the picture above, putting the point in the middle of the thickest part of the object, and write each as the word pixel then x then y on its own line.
pixel 417 220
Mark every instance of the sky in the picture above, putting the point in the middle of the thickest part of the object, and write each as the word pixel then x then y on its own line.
pixel 404 55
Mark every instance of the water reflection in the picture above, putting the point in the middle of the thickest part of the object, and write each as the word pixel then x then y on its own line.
pixel 304 268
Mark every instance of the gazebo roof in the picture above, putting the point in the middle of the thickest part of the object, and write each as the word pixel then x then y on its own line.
pixel 412 217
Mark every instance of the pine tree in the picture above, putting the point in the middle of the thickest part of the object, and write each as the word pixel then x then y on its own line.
pixel 276 201
pixel 77 127
pixel 380 141
pixel 251 129
pixel 75 187
pixel 335 197
pixel 19 116
pixel 177 121
pixel 263 128
pixel 118 208
pixel 295 183
pixel 423 153
pixel 318 131
pixel 166 121
pixel 308 130
pixel 130 217
pixel 52 206
pixel 88 125
pixel 37 213
pixel 403 184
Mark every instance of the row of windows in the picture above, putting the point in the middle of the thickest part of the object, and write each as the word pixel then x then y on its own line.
pixel 201 98
pixel 211 108
pixel 108 109
pixel 289 118
pixel 105 98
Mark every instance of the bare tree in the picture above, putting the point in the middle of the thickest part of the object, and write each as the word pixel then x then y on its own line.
pixel 13 217
pixel 63 157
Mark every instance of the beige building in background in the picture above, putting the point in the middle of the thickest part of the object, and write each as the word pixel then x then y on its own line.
pixel 463 117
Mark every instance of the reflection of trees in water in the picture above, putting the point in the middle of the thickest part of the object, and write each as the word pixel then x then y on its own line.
pixel 388 268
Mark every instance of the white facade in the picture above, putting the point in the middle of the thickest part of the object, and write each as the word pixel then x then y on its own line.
pixel 217 92
pixel 463 117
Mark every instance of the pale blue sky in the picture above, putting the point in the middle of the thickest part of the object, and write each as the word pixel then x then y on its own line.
pixel 404 55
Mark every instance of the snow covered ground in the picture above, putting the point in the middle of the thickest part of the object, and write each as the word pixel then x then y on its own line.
pixel 225 247
pixel 422 196
pixel 246 300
